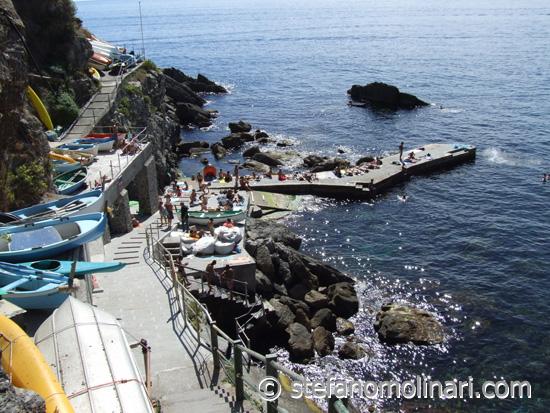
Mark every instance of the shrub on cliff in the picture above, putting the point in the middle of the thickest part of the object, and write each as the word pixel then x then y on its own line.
pixel 65 109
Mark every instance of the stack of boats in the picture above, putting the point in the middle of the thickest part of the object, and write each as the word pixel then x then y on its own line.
pixel 106 56
pixel 33 236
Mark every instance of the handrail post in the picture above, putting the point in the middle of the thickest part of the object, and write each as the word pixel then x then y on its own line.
pixel 271 370
pixel 238 358
pixel 214 343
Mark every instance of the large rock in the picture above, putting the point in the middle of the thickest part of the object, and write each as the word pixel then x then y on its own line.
pixel 267 158
pixel 301 272
pixel 324 318
pixel 282 316
pixel 264 262
pixel 199 85
pixel 294 304
pixel 344 327
pixel 351 351
pixel 303 318
pixel 181 93
pixel 250 152
pixel 189 113
pixel 298 291
pixel 218 150
pixel 385 95
pixel 300 343
pixel 236 140
pixel 343 299
pixel 263 230
pixel 264 286
pixel 315 299
pixel 323 341
pixel 255 166
pixel 326 274
pixel 397 323
pixel 239 126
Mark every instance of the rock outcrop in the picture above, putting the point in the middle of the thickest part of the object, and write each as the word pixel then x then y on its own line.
pixel 385 95
pixel 397 323
pixel 301 291
pixel 199 85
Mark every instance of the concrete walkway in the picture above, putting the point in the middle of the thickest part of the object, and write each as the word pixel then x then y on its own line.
pixel 141 297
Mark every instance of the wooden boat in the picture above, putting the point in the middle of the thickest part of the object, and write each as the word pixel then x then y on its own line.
pixel 81 147
pixel 40 108
pixel 84 203
pixel 84 158
pixel 90 356
pixel 82 267
pixel 60 167
pixel 104 143
pixel 202 217
pixel 48 238
pixel 70 181
pixel 45 291
pixel 28 369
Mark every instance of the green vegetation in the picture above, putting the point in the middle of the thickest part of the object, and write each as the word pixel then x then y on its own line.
pixel 124 106
pixel 149 66
pixel 25 180
pixel 132 90
pixel 65 109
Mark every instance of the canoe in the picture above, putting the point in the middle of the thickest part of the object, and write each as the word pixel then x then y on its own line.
pixel 82 267
pixel 99 61
pixel 40 108
pixel 90 356
pixel 48 238
pixel 31 291
pixel 202 217
pixel 84 203
pixel 61 157
pixel 84 158
pixel 89 148
pixel 70 181
pixel 28 369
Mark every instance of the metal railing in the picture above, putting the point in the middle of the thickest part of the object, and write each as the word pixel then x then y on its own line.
pixel 196 315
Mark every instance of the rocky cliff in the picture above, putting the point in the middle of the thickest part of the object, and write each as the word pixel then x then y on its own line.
pixel 41 47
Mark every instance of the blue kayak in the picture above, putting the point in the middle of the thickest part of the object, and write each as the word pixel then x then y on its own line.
pixel 64 267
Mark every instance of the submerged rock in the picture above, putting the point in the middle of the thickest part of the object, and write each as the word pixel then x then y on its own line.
pixel 344 327
pixel 397 323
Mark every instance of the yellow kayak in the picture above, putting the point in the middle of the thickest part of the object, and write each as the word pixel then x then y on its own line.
pixel 40 108
pixel 28 368
pixel 60 157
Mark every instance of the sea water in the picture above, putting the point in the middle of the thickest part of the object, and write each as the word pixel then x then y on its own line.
pixel 471 243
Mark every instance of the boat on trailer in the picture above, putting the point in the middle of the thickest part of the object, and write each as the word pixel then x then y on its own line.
pixel 48 238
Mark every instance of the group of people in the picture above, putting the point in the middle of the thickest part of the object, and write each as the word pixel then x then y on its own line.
pixel 227 274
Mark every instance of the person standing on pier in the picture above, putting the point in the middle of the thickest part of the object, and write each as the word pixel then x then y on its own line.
pixel 169 210
pixel 181 270
pixel 115 135
pixel 184 216
pixel 401 152
pixel 229 279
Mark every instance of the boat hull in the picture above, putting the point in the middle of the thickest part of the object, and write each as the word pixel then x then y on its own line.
pixel 81 147
pixel 71 181
pixel 90 356
pixel 28 369
pixel 48 238
pixel 84 203
pixel 82 267
pixel 202 218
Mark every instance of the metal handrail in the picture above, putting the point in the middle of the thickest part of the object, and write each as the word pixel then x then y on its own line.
pixel 162 256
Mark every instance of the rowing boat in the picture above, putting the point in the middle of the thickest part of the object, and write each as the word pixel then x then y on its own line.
pixel 84 203
pixel 28 369
pixel 90 356
pixel 202 217
pixel 89 148
pixel 84 158
pixel 48 238
pixel 26 289
pixel 69 182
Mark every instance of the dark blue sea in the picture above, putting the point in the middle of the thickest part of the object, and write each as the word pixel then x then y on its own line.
pixel 471 244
